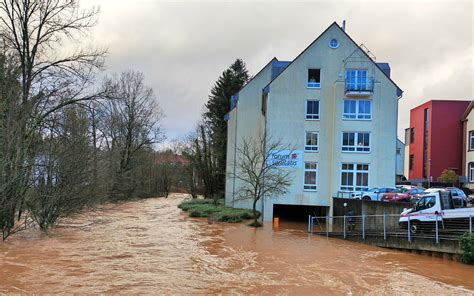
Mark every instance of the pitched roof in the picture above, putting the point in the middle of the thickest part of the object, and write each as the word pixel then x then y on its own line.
pixel 399 90
pixel 233 105
pixel 468 110
pixel 250 80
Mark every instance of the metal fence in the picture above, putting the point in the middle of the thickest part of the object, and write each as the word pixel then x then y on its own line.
pixel 385 226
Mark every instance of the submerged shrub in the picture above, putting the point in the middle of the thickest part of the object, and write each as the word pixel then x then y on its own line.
pixel 216 213
pixel 467 247
pixel 195 214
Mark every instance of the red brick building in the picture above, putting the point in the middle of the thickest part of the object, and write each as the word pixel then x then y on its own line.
pixel 435 139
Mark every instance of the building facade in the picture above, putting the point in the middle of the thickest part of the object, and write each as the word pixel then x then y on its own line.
pixel 434 139
pixel 468 146
pixel 400 160
pixel 338 111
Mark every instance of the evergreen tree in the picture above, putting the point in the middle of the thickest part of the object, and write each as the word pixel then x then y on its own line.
pixel 217 106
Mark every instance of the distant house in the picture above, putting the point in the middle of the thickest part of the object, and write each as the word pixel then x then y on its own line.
pixel 170 158
pixel 336 106
pixel 435 139
pixel 468 146
pixel 400 160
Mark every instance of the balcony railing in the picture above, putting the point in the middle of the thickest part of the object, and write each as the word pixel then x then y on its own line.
pixel 360 88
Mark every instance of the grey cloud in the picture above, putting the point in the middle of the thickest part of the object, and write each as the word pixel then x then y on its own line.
pixel 183 47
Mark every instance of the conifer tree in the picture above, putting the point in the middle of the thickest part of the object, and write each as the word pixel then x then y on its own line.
pixel 217 106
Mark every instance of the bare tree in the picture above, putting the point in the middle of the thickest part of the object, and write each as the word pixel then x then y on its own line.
pixel 259 175
pixel 33 35
pixel 188 179
pixel 199 150
pixel 131 122
pixel 192 182
pixel 11 169
pixel 164 175
pixel 62 174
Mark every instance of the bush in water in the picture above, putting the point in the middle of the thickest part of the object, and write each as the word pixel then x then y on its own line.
pixel 217 213
pixel 467 246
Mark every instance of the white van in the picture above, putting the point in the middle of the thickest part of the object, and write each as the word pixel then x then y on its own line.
pixel 436 205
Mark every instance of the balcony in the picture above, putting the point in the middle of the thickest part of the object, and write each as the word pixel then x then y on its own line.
pixel 359 88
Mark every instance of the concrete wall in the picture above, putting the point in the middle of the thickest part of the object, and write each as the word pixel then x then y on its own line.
pixel 417 245
pixel 367 207
pixel 371 209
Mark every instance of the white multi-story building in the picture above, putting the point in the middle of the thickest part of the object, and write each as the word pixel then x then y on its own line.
pixel 400 167
pixel 335 106
pixel 468 146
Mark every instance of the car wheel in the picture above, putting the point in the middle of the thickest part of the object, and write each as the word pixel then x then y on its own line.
pixel 414 228
pixel 366 198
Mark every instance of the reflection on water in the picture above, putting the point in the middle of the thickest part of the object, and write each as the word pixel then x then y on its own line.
pixel 149 246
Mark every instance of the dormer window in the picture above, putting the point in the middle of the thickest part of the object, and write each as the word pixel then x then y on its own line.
pixel 314 78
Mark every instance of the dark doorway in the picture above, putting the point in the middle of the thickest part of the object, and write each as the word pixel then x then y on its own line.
pixel 297 212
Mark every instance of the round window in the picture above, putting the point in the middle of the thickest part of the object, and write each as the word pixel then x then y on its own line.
pixel 333 43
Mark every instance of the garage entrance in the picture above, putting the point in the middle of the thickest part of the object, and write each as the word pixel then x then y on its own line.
pixel 297 213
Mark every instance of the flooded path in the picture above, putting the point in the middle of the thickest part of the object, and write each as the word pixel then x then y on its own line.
pixel 150 247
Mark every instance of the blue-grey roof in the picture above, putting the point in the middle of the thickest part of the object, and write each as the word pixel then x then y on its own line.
pixel 233 101
pixel 385 67
pixel 278 67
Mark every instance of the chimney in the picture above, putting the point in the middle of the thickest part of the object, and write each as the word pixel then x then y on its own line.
pixel 344 25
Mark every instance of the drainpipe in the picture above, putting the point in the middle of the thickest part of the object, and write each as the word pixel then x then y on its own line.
pixel 331 164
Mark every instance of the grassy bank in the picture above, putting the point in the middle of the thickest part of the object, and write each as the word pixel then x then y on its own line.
pixel 220 213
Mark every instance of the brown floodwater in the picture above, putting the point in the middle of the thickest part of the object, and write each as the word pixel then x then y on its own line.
pixel 151 247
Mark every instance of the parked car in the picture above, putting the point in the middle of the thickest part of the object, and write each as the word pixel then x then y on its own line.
pixel 470 198
pixel 407 186
pixel 373 193
pixel 459 197
pixel 403 195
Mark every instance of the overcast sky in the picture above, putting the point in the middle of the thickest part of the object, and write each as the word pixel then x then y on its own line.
pixel 183 47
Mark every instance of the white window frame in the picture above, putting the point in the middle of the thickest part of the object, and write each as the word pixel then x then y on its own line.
pixel 356 115
pixel 312 116
pixel 311 148
pixel 355 148
pixel 471 137
pixel 471 172
pixel 315 84
pixel 310 187
pixel 358 83
pixel 355 171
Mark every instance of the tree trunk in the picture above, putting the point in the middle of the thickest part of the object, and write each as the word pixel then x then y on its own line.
pixel 255 216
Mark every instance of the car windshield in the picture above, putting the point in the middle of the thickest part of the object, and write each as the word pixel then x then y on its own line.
pixel 373 189
pixel 401 190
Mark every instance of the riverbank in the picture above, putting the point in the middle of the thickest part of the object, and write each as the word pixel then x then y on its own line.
pixel 206 208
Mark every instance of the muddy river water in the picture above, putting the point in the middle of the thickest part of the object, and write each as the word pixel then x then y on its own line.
pixel 151 247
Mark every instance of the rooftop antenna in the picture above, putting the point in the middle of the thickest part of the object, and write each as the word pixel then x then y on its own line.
pixel 344 25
